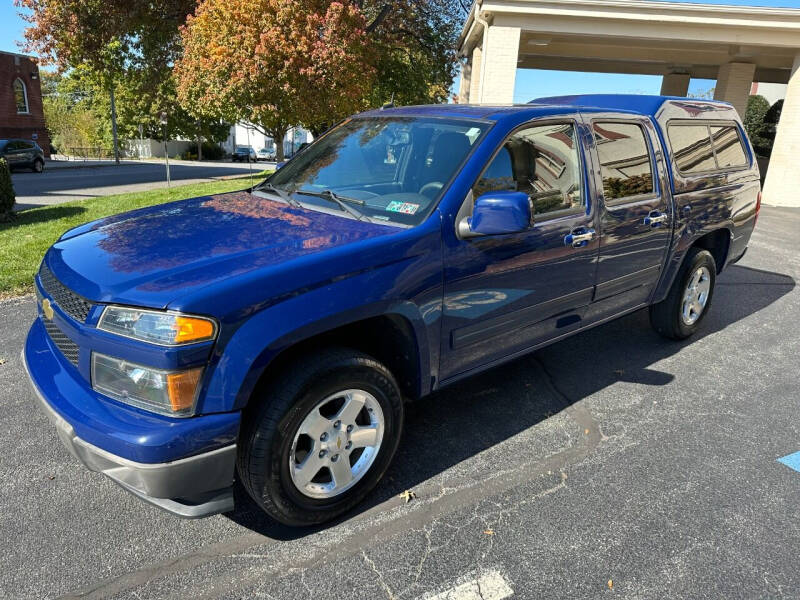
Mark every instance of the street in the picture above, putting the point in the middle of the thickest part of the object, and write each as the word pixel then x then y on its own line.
pixel 612 463
pixel 57 185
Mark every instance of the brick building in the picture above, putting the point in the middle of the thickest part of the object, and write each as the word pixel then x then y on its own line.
pixel 21 113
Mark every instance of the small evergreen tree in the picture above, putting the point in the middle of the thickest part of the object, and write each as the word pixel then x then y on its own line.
pixel 757 108
pixel 771 127
pixel 7 196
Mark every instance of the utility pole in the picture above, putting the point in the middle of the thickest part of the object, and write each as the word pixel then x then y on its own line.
pixel 114 123
pixel 166 154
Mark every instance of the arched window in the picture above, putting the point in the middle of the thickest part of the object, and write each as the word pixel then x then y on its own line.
pixel 20 96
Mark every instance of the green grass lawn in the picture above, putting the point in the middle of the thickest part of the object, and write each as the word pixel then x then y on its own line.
pixel 24 241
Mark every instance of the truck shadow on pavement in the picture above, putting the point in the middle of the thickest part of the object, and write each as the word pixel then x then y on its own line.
pixel 478 413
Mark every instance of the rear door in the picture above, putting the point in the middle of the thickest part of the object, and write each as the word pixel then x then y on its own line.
pixel 635 214
pixel 507 293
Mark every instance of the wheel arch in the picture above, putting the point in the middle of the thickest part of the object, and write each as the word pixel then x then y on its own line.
pixel 395 335
pixel 717 241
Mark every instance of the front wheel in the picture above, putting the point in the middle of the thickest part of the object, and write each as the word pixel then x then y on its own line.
pixel 321 437
pixel 38 165
pixel 679 315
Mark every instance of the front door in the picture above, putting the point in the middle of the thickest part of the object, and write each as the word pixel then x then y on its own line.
pixel 507 293
pixel 636 213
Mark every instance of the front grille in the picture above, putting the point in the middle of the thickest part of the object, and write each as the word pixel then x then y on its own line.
pixel 71 303
pixel 67 347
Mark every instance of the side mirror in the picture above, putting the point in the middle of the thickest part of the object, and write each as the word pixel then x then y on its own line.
pixel 496 213
pixel 279 165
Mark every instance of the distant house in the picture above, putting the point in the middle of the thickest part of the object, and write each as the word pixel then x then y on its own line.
pixel 242 134
pixel 21 113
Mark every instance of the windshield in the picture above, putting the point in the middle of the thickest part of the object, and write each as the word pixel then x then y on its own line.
pixel 389 169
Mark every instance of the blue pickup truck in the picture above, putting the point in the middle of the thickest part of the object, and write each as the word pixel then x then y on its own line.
pixel 272 335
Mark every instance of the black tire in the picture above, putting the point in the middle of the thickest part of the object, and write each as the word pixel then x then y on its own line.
pixel 665 317
pixel 269 429
pixel 38 166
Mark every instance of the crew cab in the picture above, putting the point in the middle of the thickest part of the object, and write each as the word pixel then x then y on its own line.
pixel 274 334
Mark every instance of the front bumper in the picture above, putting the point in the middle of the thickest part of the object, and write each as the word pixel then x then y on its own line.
pixel 196 486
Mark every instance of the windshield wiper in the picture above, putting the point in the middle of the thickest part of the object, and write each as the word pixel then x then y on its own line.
pixel 342 201
pixel 283 194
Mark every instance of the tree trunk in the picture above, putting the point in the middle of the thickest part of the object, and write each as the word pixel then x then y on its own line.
pixel 277 135
pixel 199 149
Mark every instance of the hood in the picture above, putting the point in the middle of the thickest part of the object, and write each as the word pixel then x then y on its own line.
pixel 151 256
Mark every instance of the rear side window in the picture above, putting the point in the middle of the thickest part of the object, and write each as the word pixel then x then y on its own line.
pixel 691 148
pixel 728 147
pixel 705 148
pixel 625 162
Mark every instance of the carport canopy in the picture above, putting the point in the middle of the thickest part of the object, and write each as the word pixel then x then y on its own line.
pixel 735 45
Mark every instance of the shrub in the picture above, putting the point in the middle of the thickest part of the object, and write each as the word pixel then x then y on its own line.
pixel 7 196
pixel 212 151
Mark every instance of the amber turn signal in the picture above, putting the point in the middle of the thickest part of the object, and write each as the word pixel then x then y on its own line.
pixel 189 329
pixel 182 388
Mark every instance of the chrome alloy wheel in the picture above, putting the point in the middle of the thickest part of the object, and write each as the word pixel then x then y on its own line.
pixel 336 444
pixel 695 296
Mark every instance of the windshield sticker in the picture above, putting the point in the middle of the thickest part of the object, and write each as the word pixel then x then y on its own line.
pixel 407 208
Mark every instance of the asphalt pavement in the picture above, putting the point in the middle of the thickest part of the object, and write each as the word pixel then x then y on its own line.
pixel 56 185
pixel 614 463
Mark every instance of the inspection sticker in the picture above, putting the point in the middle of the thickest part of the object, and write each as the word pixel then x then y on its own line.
pixel 407 208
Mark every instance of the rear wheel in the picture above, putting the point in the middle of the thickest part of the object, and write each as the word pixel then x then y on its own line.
pixel 679 315
pixel 321 438
pixel 38 166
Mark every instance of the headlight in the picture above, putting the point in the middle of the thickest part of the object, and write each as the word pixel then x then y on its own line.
pixel 167 329
pixel 170 393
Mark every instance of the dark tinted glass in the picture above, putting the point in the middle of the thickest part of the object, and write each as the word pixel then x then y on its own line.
pixel 691 148
pixel 625 163
pixel 542 161
pixel 728 145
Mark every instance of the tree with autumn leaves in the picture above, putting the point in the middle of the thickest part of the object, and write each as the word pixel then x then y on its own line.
pixel 274 63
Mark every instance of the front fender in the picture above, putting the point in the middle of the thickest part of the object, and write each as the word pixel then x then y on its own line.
pixel 410 288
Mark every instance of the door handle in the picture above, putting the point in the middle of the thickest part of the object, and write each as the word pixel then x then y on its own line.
pixel 579 238
pixel 655 218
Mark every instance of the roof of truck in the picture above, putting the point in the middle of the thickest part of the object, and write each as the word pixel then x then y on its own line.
pixel 639 103
pixel 630 103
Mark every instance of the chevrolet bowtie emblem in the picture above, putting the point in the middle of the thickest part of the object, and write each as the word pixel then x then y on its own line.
pixel 47 309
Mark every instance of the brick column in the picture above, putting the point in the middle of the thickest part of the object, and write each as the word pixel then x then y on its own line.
pixel 500 64
pixel 463 87
pixel 675 84
pixel 475 75
pixel 782 187
pixel 733 84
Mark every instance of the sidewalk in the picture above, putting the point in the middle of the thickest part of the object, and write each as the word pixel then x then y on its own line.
pixel 79 163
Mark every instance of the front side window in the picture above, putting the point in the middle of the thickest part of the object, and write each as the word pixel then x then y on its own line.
pixel 542 161
pixel 390 169
pixel 625 162
pixel 20 96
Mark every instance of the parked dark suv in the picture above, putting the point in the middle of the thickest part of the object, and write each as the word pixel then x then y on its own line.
pixel 22 154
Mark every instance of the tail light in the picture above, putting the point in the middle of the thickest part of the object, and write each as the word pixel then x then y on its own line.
pixel 758 208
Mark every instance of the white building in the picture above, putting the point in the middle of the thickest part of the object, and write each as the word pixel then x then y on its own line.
pixel 736 45
pixel 243 134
